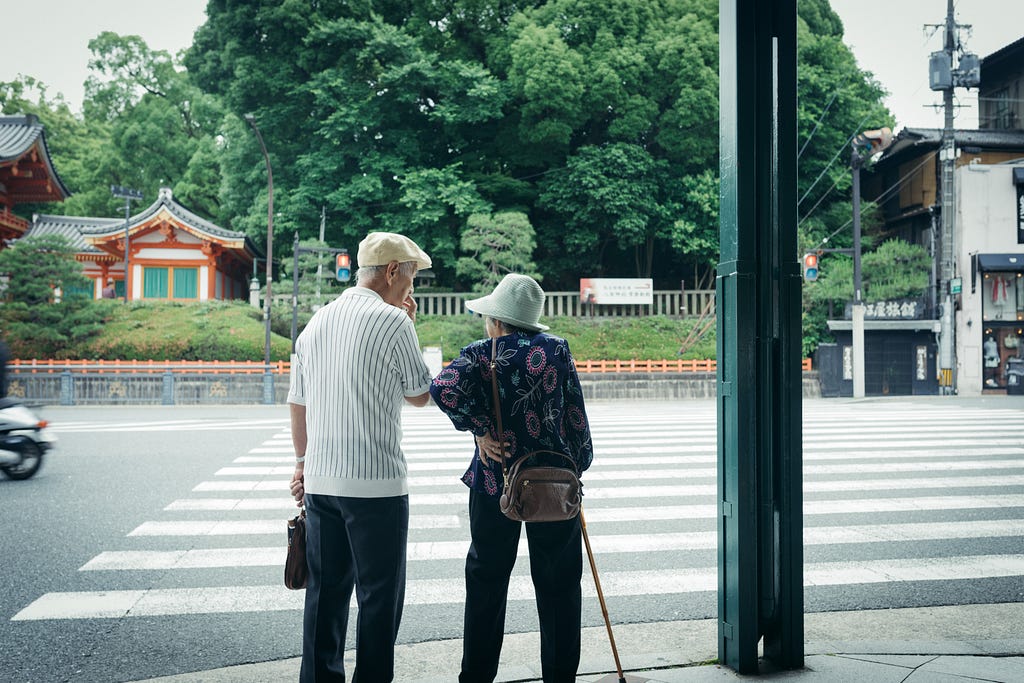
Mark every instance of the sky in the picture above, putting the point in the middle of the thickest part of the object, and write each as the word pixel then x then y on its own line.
pixel 887 37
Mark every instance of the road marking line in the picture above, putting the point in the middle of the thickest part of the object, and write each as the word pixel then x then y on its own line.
pixel 665 512
pixel 608 458
pixel 262 526
pixel 228 599
pixel 603 544
pixel 674 491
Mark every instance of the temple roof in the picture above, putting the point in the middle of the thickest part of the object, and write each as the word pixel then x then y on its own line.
pixel 70 228
pixel 114 228
pixel 22 136
pixel 88 234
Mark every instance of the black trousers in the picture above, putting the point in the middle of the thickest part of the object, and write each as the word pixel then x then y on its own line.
pixel 360 543
pixel 556 566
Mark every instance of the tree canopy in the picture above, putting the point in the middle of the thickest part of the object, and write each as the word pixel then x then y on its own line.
pixel 596 130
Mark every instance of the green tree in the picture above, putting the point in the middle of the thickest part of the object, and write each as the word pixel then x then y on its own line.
pixel 496 245
pixel 36 267
pixel 162 127
pixel 80 149
pixel 413 115
pixel 48 300
pixel 615 194
pixel 837 101
pixel 895 270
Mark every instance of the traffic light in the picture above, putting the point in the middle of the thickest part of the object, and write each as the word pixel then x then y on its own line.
pixel 810 267
pixel 343 266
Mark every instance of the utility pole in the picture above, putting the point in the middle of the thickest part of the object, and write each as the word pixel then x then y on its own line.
pixel 866 144
pixel 942 76
pixel 127 195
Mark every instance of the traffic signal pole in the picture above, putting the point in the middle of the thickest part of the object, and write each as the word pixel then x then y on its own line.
pixel 858 300
pixel 296 250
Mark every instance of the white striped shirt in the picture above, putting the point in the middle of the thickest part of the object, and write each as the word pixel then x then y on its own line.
pixel 353 365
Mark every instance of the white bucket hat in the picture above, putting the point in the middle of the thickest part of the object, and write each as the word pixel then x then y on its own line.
pixel 517 300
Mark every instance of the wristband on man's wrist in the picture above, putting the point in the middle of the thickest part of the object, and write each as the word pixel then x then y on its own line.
pixel 301 458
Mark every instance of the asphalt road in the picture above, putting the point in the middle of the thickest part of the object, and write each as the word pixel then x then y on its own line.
pixel 908 504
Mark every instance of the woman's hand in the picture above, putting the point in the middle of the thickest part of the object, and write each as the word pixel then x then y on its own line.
pixel 489 448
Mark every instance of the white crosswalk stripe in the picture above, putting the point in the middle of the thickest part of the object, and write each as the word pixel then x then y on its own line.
pixel 879 477
pixel 221 599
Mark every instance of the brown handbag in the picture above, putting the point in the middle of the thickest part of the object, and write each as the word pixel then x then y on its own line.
pixel 296 571
pixel 533 491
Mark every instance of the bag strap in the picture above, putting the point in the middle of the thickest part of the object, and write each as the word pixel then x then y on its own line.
pixel 497 407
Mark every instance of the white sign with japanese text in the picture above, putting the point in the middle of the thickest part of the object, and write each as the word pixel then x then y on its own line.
pixel 617 291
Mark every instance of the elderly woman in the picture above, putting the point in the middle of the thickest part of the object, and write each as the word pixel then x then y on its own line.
pixel 541 409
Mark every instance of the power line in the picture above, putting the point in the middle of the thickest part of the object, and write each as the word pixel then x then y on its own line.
pixel 818 123
pixel 882 197
pixel 834 157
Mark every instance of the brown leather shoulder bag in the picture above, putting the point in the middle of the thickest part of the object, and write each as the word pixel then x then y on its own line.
pixel 534 492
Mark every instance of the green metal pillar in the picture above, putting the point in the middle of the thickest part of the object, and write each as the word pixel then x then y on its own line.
pixel 760 552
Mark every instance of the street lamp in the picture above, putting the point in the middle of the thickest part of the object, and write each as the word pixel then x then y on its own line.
pixel 268 389
pixel 127 194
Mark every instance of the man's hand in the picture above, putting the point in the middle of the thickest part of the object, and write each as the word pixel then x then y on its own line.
pixel 489 448
pixel 297 486
pixel 410 307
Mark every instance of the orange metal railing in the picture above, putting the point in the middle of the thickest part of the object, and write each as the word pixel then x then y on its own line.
pixel 707 365
pixel 283 367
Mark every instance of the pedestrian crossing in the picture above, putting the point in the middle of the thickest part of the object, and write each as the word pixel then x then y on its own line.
pixel 916 496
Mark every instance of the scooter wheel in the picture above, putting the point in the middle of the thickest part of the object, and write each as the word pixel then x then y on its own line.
pixel 31 461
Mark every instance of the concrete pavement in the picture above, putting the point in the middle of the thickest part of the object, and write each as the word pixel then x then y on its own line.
pixel 920 645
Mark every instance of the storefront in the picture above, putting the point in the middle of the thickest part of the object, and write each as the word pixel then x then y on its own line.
pixel 1001 278
pixel 990 315
pixel 899 351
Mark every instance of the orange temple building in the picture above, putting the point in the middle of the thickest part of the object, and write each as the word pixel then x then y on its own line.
pixel 173 253
pixel 26 173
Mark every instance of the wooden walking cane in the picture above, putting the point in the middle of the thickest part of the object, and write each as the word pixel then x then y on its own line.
pixel 610 678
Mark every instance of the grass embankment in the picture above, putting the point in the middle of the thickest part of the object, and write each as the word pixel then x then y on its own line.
pixel 235 331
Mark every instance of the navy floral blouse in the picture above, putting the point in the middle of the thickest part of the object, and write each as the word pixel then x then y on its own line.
pixel 541 401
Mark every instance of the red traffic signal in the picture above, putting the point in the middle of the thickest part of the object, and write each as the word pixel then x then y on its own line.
pixel 343 266
pixel 810 267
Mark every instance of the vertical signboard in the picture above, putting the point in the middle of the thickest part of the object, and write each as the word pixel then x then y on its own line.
pixel 1020 214
pixel 1018 180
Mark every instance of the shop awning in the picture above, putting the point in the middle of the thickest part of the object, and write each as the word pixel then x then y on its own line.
pixel 991 262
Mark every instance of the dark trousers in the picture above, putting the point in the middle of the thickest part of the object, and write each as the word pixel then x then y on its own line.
pixel 360 543
pixel 556 566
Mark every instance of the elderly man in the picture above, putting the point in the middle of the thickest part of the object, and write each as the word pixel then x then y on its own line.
pixel 355 364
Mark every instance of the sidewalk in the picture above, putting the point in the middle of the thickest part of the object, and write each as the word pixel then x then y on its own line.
pixel 922 645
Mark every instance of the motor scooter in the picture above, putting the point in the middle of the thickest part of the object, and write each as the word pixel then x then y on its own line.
pixel 24 439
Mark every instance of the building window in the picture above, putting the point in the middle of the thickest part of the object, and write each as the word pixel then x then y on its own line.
pixel 79 292
pixel 1003 296
pixel 186 283
pixel 1001 114
pixel 154 283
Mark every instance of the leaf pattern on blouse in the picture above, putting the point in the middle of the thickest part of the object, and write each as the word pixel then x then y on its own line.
pixel 541 401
